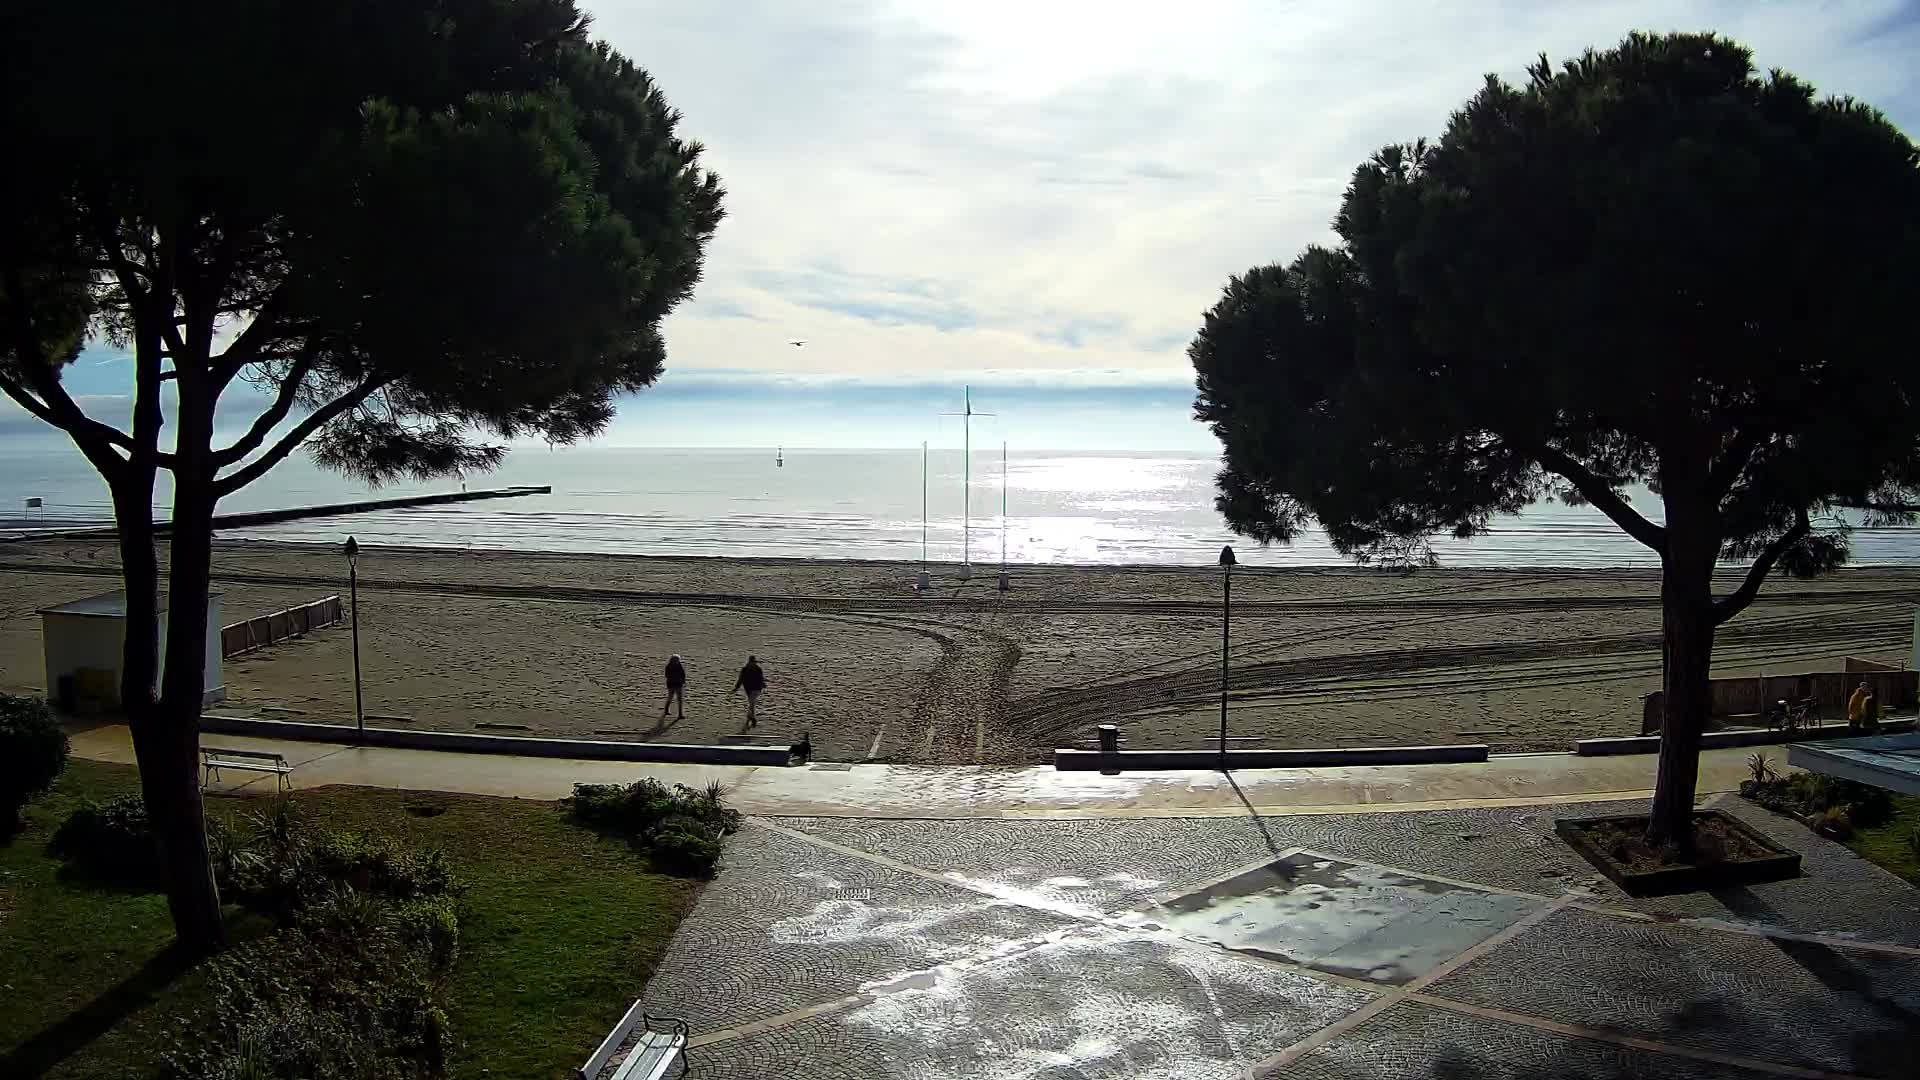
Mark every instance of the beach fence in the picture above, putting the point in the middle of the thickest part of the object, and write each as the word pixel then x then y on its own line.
pixel 258 633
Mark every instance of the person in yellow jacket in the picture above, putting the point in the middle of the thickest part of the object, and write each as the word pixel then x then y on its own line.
pixel 1863 712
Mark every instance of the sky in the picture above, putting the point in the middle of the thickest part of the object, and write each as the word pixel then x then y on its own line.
pixel 1041 198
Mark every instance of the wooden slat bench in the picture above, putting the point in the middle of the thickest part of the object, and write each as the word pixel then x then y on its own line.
pixel 660 1042
pixel 213 759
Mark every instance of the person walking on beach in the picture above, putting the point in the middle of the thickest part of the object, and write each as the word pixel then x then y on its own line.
pixel 753 681
pixel 676 689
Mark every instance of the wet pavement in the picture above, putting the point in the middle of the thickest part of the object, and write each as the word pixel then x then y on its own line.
pixel 1455 944
pixel 1360 921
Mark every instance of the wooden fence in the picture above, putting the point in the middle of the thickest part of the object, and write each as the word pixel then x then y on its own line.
pixel 244 637
pixel 1750 695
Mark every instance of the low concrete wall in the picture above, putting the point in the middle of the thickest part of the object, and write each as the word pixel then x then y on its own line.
pixel 1720 740
pixel 464 742
pixel 1066 759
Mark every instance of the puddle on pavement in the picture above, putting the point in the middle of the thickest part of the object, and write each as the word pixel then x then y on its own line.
pixel 1362 921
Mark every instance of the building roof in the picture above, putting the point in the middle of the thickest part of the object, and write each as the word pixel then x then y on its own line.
pixel 1885 761
pixel 107 605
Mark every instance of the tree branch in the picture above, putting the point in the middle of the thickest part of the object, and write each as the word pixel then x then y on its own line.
pixel 1739 451
pixel 1736 601
pixel 54 406
pixel 264 424
pixel 1601 495
pixel 291 441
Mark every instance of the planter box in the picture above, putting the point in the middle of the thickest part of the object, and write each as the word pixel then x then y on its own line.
pixel 1667 880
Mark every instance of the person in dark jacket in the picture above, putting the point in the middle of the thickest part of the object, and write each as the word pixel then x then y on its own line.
pixel 676 689
pixel 753 681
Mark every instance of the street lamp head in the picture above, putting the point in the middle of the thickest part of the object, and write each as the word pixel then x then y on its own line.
pixel 1226 555
pixel 353 549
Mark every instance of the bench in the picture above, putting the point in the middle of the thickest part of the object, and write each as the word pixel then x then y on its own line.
pixel 213 759
pixel 659 1042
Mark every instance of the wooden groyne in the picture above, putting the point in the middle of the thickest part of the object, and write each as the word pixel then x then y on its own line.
pixel 299 513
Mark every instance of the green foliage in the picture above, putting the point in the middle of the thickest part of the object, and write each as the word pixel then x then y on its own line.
pixel 33 750
pixel 537 976
pixel 353 984
pixel 483 219
pixel 1654 266
pixel 682 828
pixel 1528 308
pixel 110 841
pixel 1814 796
pixel 286 865
pixel 1834 821
pixel 348 991
pixel 449 224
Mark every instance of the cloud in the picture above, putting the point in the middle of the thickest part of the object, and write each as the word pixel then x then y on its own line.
pixel 936 188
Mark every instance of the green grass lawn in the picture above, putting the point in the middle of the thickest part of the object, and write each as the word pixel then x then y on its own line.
pixel 1891 844
pixel 559 930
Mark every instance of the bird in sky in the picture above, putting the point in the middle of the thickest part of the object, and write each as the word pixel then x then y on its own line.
pixel 796 343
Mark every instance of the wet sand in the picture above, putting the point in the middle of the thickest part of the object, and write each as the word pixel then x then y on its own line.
pixel 573 645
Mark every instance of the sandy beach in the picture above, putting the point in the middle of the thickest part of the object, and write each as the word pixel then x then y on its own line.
pixel 573 645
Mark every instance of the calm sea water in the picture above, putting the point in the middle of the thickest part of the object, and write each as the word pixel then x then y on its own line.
pixel 1061 508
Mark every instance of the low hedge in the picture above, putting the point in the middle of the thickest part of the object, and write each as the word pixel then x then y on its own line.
pixel 33 750
pixel 681 829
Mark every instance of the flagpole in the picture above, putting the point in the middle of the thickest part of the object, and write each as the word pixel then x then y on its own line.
pixel 966 486
pixel 1003 515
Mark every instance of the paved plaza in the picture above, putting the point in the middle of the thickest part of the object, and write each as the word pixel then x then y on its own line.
pixel 1424 944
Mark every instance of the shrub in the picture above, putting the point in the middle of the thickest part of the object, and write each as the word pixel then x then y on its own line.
pixel 33 750
pixel 684 847
pixel 681 828
pixel 1762 769
pixel 1834 821
pixel 351 985
pixel 342 994
pixel 1811 795
pixel 288 865
pixel 110 841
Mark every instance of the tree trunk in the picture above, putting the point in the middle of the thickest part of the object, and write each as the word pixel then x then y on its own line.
pixel 181 822
pixel 1686 617
pixel 166 751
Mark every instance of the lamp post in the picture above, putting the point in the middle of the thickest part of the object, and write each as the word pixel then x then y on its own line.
pixel 1226 621
pixel 353 592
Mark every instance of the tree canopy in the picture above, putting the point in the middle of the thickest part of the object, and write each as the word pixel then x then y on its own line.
pixel 409 224
pixel 1653 265
pixel 415 228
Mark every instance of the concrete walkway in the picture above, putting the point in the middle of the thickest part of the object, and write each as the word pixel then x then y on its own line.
pixel 908 791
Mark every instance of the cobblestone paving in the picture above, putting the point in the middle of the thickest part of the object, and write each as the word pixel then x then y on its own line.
pixel 1102 1004
pixel 1801 1003
pixel 1039 950
pixel 1506 847
pixel 788 925
pixel 1412 1041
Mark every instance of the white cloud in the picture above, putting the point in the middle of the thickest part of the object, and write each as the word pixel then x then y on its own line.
pixel 925 188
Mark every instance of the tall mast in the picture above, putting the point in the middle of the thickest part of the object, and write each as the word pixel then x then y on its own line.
pixel 1003 507
pixel 966 480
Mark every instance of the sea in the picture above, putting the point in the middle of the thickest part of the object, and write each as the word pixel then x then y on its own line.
pixel 1035 507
